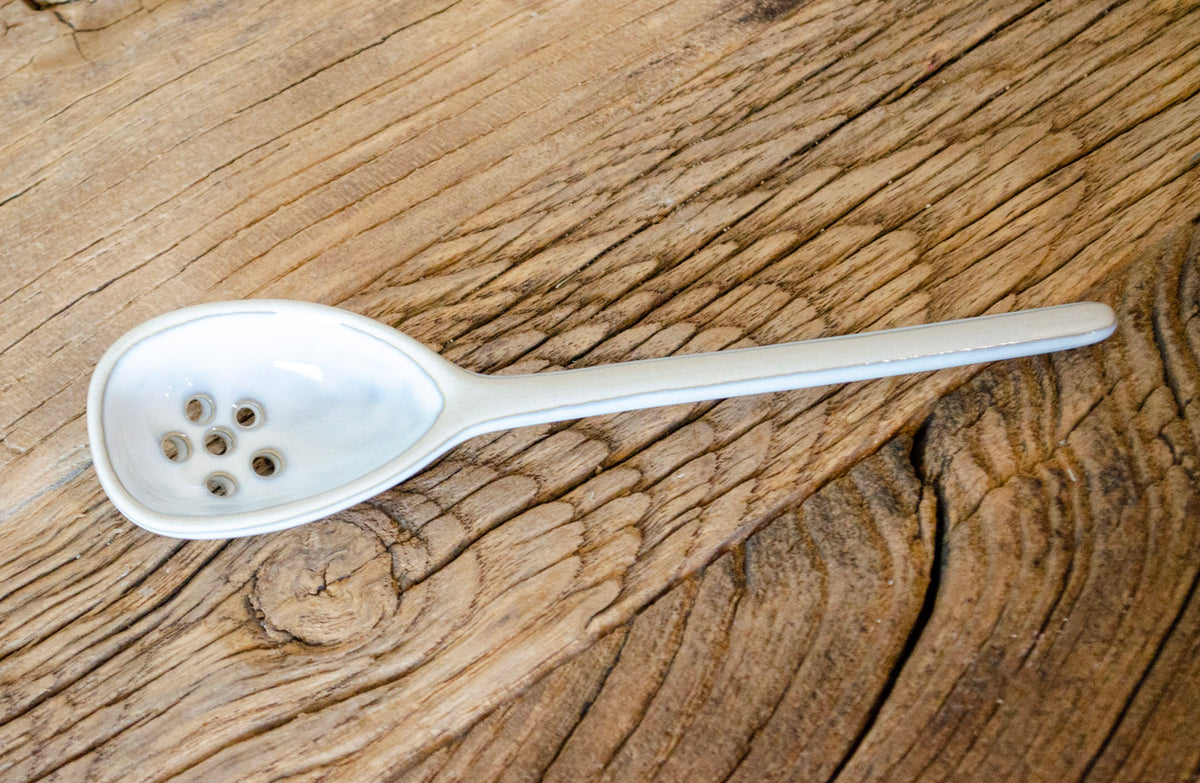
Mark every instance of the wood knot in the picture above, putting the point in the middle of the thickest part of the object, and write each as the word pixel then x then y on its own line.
pixel 330 582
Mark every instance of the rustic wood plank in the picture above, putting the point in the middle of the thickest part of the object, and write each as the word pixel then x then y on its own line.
pixel 522 187
pixel 1071 548
pixel 1056 637
pixel 1007 120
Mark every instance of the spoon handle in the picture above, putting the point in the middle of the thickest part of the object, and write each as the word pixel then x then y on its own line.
pixel 520 400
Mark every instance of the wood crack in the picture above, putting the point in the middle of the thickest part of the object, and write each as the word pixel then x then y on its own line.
pixel 931 488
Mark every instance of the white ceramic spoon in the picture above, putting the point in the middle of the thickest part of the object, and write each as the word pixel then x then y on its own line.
pixel 237 418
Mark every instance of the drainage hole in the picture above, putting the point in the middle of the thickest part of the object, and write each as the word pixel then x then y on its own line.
pixel 266 463
pixel 248 414
pixel 199 409
pixel 175 446
pixel 218 442
pixel 220 485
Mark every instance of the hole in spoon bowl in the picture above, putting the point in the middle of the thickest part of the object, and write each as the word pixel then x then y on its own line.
pixel 199 409
pixel 266 463
pixel 247 414
pixel 220 485
pixel 218 441
pixel 176 447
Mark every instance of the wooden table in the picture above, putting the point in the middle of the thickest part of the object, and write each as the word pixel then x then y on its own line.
pixel 966 575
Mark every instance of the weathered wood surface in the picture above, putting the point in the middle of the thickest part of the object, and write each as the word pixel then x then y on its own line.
pixel 1005 592
pixel 1002 586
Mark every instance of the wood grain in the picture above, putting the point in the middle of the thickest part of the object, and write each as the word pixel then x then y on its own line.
pixel 1010 592
pixel 532 185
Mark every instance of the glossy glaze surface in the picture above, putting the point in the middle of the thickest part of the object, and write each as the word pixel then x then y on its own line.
pixel 324 402
pixel 238 418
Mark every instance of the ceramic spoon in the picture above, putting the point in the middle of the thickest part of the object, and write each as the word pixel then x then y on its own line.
pixel 237 418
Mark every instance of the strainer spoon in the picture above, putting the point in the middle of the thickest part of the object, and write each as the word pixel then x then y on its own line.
pixel 237 418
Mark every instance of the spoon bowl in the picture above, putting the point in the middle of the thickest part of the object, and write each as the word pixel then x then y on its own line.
pixel 220 419
pixel 237 418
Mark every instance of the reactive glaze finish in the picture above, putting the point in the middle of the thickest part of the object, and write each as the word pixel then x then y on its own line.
pixel 325 403
pixel 238 418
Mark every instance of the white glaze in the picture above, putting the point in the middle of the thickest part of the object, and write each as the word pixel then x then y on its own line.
pixel 352 407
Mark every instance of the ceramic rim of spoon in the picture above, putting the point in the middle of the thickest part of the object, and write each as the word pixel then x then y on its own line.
pixel 472 404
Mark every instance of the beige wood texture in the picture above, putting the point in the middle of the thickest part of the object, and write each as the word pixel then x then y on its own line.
pixel 1006 592
pixel 1001 583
